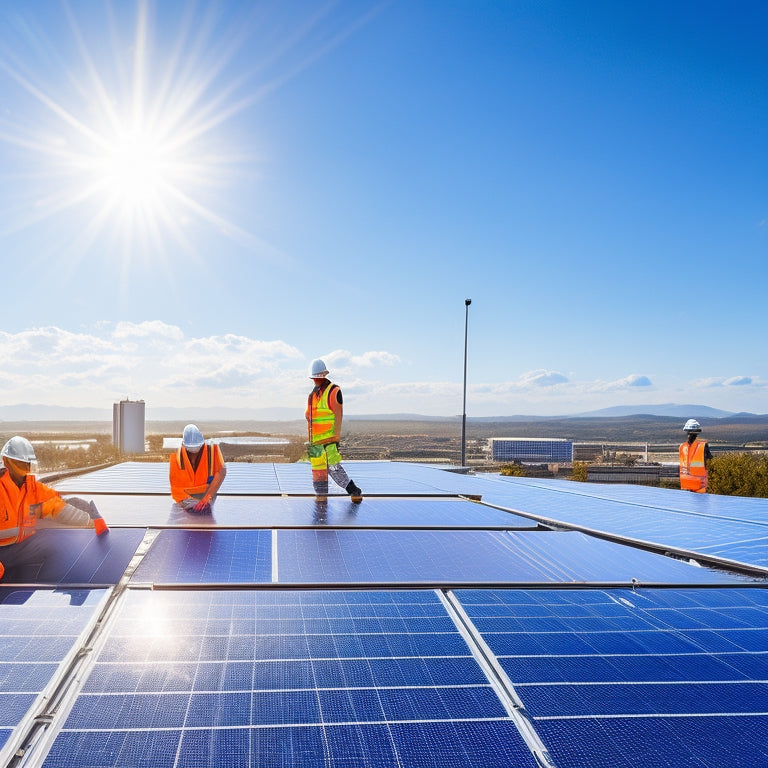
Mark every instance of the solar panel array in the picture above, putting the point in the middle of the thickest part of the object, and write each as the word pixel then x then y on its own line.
pixel 415 629
pixel 728 528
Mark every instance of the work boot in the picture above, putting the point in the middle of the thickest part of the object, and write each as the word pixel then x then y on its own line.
pixel 355 494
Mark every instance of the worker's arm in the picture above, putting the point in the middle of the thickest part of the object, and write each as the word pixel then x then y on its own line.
pixel 82 514
pixel 215 484
pixel 336 404
pixel 75 512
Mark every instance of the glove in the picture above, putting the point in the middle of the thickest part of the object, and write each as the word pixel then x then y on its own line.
pixel 314 450
pixel 98 521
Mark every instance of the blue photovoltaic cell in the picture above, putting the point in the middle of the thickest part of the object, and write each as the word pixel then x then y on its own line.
pixel 200 557
pixel 140 477
pixel 645 678
pixel 286 679
pixel 727 527
pixel 75 556
pixel 276 511
pixel 453 557
pixel 38 629
pixel 374 477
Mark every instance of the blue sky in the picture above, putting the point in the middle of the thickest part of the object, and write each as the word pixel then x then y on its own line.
pixel 198 199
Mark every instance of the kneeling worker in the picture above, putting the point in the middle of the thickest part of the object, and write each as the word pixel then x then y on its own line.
pixel 694 457
pixel 197 471
pixel 24 500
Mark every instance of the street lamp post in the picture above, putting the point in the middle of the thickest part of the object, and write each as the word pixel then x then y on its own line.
pixel 467 302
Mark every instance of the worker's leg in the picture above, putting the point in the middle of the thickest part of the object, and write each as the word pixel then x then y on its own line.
pixel 44 556
pixel 319 466
pixel 339 474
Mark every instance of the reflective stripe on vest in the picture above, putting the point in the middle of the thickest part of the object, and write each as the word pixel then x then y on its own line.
pixel 322 422
pixel 693 472
pixel 10 536
pixel 16 503
pixel 186 481
pixel 207 447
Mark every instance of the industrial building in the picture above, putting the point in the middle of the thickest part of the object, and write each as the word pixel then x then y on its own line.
pixel 535 450
pixel 128 426
pixel 448 621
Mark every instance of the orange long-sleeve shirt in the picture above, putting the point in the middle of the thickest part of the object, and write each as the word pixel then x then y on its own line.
pixel 17 519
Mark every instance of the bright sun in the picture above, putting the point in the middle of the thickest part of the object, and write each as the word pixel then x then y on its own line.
pixel 136 170
pixel 136 144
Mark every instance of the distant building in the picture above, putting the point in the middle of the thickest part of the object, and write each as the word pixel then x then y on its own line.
pixel 533 449
pixel 128 426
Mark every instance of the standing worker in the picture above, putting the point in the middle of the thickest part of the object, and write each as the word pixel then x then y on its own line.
pixel 24 500
pixel 197 472
pixel 324 413
pixel 694 457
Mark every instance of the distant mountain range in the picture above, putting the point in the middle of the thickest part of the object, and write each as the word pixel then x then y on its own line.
pixel 29 412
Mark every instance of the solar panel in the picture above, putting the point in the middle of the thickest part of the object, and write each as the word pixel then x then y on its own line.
pixel 340 556
pixel 287 679
pixel 199 557
pixel 39 629
pixel 75 556
pixel 278 511
pixel 725 527
pixel 374 477
pixel 378 668
pixel 450 557
pixel 643 678
pixel 377 477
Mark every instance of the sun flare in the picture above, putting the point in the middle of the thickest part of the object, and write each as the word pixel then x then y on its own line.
pixel 133 149
pixel 136 169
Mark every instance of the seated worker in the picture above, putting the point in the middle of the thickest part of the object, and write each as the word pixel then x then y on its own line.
pixel 197 471
pixel 24 500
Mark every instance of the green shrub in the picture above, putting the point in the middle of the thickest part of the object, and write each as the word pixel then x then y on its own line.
pixel 738 474
pixel 513 470
pixel 580 469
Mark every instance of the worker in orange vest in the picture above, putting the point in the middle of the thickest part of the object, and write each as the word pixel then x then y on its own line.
pixel 694 457
pixel 197 471
pixel 24 500
pixel 324 414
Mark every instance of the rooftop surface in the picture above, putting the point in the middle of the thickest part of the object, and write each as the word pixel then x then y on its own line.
pixel 448 620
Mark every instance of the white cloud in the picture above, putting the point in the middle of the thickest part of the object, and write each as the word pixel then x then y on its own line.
pixel 154 330
pixel 344 360
pixel 542 378
pixel 728 381
pixel 738 381
pixel 161 364
pixel 628 383
pixel 636 380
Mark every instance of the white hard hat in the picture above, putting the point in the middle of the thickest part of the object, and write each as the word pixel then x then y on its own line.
pixel 317 370
pixel 20 449
pixel 193 437
pixel 692 426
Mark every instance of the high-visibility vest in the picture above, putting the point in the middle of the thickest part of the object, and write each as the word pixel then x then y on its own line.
pixel 17 521
pixel 693 472
pixel 186 481
pixel 321 418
